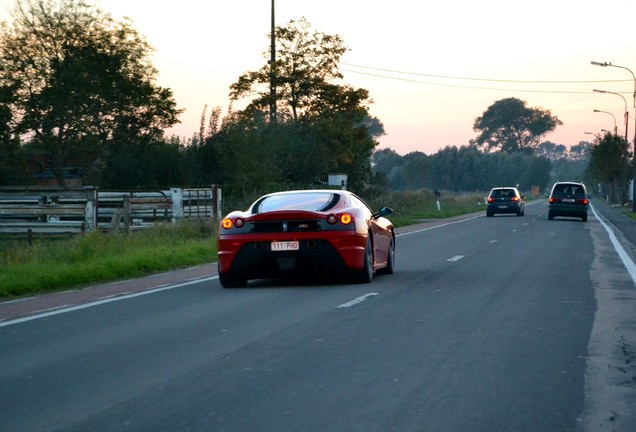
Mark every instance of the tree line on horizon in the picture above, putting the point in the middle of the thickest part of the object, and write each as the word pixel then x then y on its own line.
pixel 78 91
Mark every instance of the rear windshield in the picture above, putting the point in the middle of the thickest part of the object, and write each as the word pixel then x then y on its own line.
pixel 310 201
pixel 502 193
pixel 569 189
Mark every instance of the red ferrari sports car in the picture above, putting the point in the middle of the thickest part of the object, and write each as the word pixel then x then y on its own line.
pixel 303 232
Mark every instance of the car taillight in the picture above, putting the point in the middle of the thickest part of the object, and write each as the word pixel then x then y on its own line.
pixel 228 223
pixel 490 199
pixel 583 201
pixel 553 200
pixel 515 199
pixel 344 219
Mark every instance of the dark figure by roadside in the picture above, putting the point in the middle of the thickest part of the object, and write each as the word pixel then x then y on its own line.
pixel 437 194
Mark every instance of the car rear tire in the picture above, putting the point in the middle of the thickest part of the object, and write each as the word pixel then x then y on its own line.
pixel 550 215
pixel 489 213
pixel 584 218
pixel 229 280
pixel 390 260
pixel 366 274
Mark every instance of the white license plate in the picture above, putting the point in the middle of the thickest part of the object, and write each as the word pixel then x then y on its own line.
pixel 503 206
pixel 568 199
pixel 285 246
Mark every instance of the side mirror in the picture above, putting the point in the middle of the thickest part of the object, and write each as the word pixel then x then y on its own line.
pixel 384 211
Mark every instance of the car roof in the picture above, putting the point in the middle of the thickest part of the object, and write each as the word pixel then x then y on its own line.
pixel 504 188
pixel 568 188
pixel 298 191
pixel 570 182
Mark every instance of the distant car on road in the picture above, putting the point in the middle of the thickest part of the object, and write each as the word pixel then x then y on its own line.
pixel 303 232
pixel 505 199
pixel 568 199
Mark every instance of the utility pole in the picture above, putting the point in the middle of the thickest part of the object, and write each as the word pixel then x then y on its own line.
pixel 272 72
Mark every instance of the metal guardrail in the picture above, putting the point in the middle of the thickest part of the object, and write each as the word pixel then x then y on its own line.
pixel 50 211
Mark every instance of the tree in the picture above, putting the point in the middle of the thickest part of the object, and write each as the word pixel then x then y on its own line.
pixel 12 162
pixel 510 126
pixel 145 163
pixel 305 63
pixel 416 170
pixel 609 162
pixel 580 151
pixel 342 128
pixel 321 126
pixel 384 160
pixel 551 150
pixel 82 83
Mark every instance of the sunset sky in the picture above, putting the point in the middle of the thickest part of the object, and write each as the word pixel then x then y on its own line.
pixel 430 67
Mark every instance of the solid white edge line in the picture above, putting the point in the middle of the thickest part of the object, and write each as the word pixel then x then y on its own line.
pixel 100 302
pixel 627 262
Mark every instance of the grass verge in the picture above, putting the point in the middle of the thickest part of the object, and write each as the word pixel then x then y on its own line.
pixel 56 264
pixel 416 207
pixel 627 211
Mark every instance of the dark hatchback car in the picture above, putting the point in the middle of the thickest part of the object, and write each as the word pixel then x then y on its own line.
pixel 505 200
pixel 568 199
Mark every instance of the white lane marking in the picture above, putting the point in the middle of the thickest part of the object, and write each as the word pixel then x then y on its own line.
pixel 455 258
pixel 115 295
pixel 56 308
pixel 195 278
pixel 357 300
pixel 19 300
pixel 438 226
pixel 100 302
pixel 627 262
pixel 493 241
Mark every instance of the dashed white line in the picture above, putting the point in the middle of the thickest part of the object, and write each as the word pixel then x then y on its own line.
pixel 357 300
pixel 455 258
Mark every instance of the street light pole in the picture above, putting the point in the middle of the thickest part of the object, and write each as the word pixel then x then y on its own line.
pixel 605 64
pixel 626 112
pixel 613 116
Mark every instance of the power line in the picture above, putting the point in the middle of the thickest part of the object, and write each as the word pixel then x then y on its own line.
pixel 462 86
pixel 479 79
pixel 472 79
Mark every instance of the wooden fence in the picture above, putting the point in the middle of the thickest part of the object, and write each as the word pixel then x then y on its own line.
pixel 42 210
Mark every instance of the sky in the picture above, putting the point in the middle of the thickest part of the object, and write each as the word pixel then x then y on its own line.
pixel 431 67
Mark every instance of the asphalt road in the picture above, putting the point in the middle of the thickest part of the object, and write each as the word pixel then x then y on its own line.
pixel 489 324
